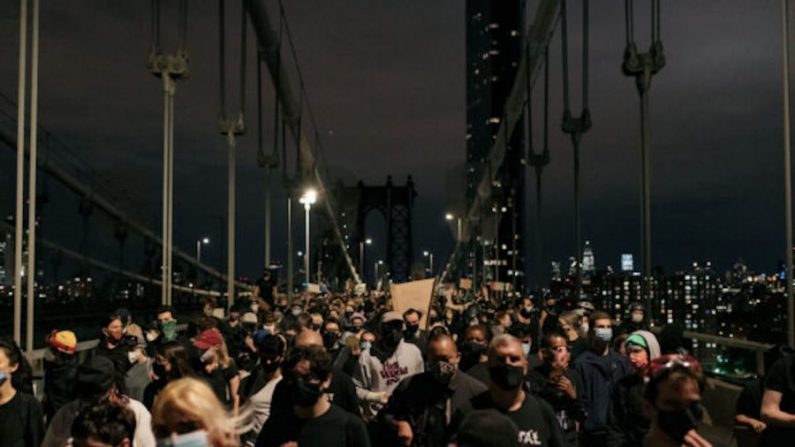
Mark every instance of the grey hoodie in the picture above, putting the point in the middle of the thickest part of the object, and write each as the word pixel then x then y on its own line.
pixel 652 346
pixel 373 376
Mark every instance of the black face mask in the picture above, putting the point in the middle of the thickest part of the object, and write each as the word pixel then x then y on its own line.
pixel 305 394
pixel 412 329
pixel 159 370
pixel 392 338
pixel 330 339
pixel 676 423
pixel 507 377
pixel 269 365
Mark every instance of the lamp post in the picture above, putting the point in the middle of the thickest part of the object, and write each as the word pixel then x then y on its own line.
pixel 367 241
pixel 449 217
pixel 429 255
pixel 375 272
pixel 308 199
pixel 199 243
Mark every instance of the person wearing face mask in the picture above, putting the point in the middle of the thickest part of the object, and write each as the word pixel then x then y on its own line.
pixel 111 344
pixel 271 350
pixel 420 409
pixel 311 420
pixel 60 371
pixel 504 323
pixel 554 382
pixel 171 362
pixel 473 352
pixel 673 398
pixel 627 419
pixel 413 334
pixel 384 365
pixel 635 320
pixel 549 316
pixel 534 418
pixel 598 370
pixel 21 416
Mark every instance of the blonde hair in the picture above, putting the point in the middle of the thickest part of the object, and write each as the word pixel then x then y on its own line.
pixel 188 404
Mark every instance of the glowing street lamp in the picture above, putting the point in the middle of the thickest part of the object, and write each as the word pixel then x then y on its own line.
pixel 307 199
pixel 199 242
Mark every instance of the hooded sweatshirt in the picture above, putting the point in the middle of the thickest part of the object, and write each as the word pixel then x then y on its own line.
pixel 627 420
pixel 375 375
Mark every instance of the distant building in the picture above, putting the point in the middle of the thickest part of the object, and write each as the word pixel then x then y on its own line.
pixel 588 261
pixel 493 50
pixel 627 263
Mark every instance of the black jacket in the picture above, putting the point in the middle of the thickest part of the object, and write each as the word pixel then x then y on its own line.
pixel 627 421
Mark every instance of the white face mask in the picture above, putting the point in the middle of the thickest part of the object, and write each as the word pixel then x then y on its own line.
pixel 585 327
pixel 133 356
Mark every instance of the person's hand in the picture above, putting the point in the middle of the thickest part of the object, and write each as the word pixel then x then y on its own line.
pixel 250 343
pixel 565 385
pixel 693 439
pixel 404 433
pixel 758 426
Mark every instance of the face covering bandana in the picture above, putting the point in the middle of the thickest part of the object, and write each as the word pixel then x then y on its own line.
pixel 507 377
pixel 365 345
pixel 676 423
pixel 392 338
pixel 169 329
pixel 442 372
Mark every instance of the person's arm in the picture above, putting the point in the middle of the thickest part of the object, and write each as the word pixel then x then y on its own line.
pixel 362 381
pixel 771 410
pixel 755 424
pixel 234 386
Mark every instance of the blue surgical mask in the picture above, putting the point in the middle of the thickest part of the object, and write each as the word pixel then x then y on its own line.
pixel 603 333
pixel 526 348
pixel 366 345
pixel 193 439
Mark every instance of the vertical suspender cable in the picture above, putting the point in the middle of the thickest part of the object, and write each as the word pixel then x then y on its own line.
pixel 787 167
pixel 20 196
pixel 34 116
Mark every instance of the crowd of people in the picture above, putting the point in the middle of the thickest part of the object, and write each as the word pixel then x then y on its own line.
pixel 344 370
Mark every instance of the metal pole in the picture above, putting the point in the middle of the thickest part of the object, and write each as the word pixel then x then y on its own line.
pixel 787 167
pixel 577 225
pixel 230 274
pixel 267 217
pixel 361 259
pixel 199 251
pixel 20 198
pixel 165 246
pixel 646 206
pixel 430 255
pixel 170 253
pixel 306 244
pixel 460 238
pixel 34 112
pixel 290 254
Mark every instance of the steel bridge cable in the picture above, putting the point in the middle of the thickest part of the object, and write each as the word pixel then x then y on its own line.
pixel 155 29
pixel 182 27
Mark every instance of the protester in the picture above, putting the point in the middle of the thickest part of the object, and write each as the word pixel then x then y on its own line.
pixel 778 403
pixel 413 334
pixel 384 365
pixel 103 425
pixel 474 352
pixel 113 345
pixel 502 323
pixel 217 368
pixel 598 370
pixel 534 418
pixel 312 420
pixel 188 410
pixel 171 363
pixel 549 316
pixel 486 428
pixel 272 350
pixel 635 319
pixel 21 416
pixel 60 371
pixel 137 377
pixel 571 326
pixel 628 422
pixel 420 408
pixel 97 382
pixel 558 385
pixel 674 397
pixel 341 390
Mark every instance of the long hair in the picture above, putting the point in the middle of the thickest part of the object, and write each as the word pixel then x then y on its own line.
pixel 174 352
pixel 22 378
pixel 187 405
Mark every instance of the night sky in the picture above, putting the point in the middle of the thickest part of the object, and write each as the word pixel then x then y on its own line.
pixel 386 81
